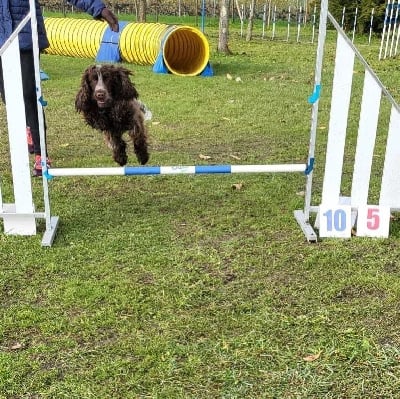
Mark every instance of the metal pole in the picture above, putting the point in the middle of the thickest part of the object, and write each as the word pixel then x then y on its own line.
pixel 176 170
pixel 315 103
pixel 51 223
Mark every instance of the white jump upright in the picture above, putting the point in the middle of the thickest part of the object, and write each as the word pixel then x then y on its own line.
pixel 373 92
pixel 19 218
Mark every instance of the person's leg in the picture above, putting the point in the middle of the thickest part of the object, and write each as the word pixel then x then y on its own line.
pixel 30 98
pixel 1 83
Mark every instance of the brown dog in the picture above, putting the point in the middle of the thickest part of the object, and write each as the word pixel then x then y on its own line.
pixel 108 101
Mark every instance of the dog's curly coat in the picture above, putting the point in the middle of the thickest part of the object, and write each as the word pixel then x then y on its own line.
pixel 108 102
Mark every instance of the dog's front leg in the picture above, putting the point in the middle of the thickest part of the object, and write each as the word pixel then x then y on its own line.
pixel 118 147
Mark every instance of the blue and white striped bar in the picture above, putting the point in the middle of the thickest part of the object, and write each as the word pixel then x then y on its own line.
pixel 176 170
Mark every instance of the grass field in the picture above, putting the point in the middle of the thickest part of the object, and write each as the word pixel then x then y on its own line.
pixel 198 286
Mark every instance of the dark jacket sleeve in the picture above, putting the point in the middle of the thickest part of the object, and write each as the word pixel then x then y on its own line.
pixel 92 7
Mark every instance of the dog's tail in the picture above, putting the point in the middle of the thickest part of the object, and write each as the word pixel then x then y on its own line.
pixel 148 115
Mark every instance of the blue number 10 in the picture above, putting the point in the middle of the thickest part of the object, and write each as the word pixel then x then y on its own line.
pixel 335 220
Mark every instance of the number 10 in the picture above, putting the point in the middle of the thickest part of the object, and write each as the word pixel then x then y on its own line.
pixel 335 221
pixel 338 217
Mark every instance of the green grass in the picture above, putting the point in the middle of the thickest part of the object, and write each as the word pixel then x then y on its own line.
pixel 183 287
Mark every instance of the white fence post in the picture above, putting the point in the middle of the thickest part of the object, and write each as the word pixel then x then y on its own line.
pixel 18 218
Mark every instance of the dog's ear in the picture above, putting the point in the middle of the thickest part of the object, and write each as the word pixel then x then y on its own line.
pixel 127 91
pixel 85 92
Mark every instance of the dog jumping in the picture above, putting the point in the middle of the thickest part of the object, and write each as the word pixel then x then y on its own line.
pixel 108 101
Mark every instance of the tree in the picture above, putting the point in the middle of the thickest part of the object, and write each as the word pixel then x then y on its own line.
pixel 223 27
pixel 249 34
pixel 142 8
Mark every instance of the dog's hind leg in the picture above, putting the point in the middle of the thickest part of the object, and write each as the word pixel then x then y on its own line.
pixel 139 139
pixel 118 147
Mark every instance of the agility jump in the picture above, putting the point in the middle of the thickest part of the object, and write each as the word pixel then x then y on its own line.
pixel 335 214
pixel 349 209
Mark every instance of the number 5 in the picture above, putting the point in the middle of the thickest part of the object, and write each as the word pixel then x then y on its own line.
pixel 373 221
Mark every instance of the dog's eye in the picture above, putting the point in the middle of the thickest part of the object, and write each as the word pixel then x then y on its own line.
pixel 93 77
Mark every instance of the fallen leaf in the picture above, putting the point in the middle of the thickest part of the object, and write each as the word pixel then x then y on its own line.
pixel 64 145
pixel 229 76
pixel 312 358
pixel 238 79
pixel 237 186
pixel 155 123
pixel 201 156
pixel 235 157
pixel 16 346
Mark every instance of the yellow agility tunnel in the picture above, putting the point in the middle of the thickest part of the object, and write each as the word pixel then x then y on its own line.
pixel 180 50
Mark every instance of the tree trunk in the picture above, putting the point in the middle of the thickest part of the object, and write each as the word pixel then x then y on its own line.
pixel 223 27
pixel 142 11
pixel 249 34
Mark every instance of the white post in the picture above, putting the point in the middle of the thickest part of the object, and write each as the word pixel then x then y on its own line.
pixel 354 25
pixel 390 187
pixel 264 20
pixel 51 222
pixel 273 23
pixel 299 24
pixel 19 218
pixel 313 24
pixel 341 95
pixel 303 216
pixel 370 25
pixel 384 29
pixel 389 30
pixel 242 20
pixel 397 39
pixel 343 15
pixel 394 29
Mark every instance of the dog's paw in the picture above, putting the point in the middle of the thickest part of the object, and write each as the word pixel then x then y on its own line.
pixel 143 158
pixel 121 159
pixel 142 154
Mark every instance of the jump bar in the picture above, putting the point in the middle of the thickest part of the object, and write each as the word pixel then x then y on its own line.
pixel 175 170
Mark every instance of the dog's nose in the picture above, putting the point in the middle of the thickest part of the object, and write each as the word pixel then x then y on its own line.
pixel 100 95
